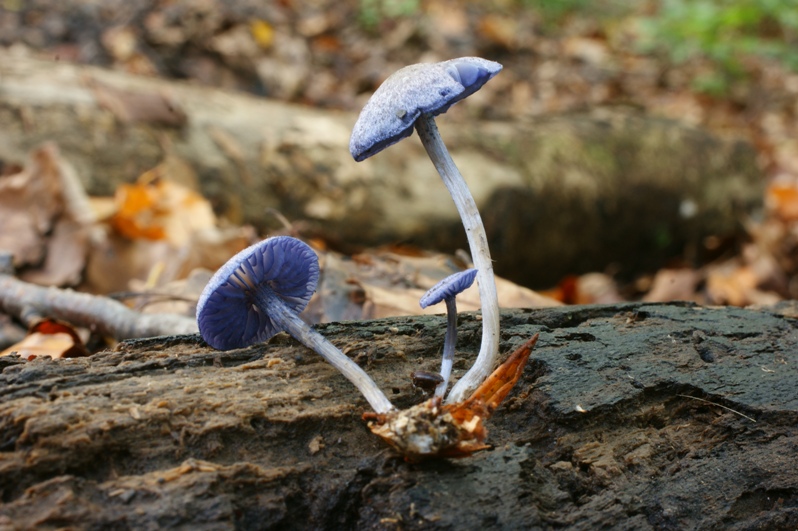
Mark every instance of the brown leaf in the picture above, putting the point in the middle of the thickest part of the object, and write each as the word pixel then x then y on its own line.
pixel 782 199
pixel 156 208
pixel 51 338
pixel 29 202
pixel 672 285
pixel 731 283
pixel 67 248
pixel 382 283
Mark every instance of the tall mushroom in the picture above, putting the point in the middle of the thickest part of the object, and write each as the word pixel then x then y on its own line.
pixel 259 293
pixel 412 97
pixel 446 291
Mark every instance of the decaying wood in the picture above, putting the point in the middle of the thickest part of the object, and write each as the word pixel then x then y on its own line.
pixel 598 433
pixel 610 180
pixel 102 315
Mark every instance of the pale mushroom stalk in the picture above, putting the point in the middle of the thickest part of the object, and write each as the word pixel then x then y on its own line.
pixel 409 99
pixel 446 291
pixel 268 302
pixel 448 346
pixel 480 255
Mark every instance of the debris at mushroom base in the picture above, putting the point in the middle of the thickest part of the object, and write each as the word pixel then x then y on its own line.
pixel 431 429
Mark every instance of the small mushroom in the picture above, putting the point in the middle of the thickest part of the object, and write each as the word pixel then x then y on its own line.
pixel 412 97
pixel 446 291
pixel 259 293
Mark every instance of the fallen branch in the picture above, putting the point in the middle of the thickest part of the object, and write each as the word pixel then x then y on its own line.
pixel 101 315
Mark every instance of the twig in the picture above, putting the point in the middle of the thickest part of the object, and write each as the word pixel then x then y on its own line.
pixel 719 405
pixel 100 314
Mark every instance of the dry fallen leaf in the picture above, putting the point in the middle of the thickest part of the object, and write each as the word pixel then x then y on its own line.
pixel 673 284
pixel 156 208
pixel 590 288
pixel 782 199
pixel 736 285
pixel 63 265
pixel 46 218
pixel 159 230
pixel 389 282
pixel 30 200
pixel 51 338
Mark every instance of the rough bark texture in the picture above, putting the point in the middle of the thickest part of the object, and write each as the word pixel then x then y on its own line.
pixel 601 431
pixel 584 189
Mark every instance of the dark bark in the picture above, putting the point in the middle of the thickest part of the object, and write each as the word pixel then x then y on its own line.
pixel 601 430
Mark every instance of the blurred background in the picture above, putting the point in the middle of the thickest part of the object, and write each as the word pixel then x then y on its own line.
pixel 628 150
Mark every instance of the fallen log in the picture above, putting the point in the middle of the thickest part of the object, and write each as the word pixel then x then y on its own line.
pixel 563 194
pixel 644 416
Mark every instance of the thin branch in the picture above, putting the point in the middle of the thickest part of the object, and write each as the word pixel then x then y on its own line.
pixel 100 314
pixel 719 405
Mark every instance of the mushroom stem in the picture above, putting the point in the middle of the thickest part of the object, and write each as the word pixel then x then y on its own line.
pixel 269 303
pixel 449 342
pixel 480 255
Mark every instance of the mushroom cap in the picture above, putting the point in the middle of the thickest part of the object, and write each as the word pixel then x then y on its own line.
pixel 391 112
pixel 449 287
pixel 226 312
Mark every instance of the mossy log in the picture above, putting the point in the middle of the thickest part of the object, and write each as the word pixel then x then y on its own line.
pixel 630 416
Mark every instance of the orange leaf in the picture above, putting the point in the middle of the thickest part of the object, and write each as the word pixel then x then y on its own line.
pixel 783 199
pixel 499 384
pixel 50 338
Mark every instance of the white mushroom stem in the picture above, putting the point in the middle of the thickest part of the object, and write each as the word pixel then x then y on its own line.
pixel 270 304
pixel 449 341
pixel 480 255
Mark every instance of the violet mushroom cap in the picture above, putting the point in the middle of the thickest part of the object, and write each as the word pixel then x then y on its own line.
pixel 260 292
pixel 411 98
pixel 449 287
pixel 426 88
pixel 226 316
pixel 446 291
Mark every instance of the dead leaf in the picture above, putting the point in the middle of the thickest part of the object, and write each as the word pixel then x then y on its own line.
pixel 156 208
pixel 500 29
pixel 161 230
pixel 673 284
pixel 67 248
pixel 736 285
pixel 45 215
pixel 590 288
pixel 593 51
pixel 384 283
pixel 782 199
pixel 175 297
pixel 29 202
pixel 51 338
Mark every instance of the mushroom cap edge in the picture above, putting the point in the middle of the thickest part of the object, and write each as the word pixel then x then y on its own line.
pixel 391 112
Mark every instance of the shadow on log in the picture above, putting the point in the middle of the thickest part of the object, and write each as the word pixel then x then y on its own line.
pixel 631 416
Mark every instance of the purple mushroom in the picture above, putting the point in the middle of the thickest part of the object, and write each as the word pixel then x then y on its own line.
pixel 446 291
pixel 259 293
pixel 412 97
